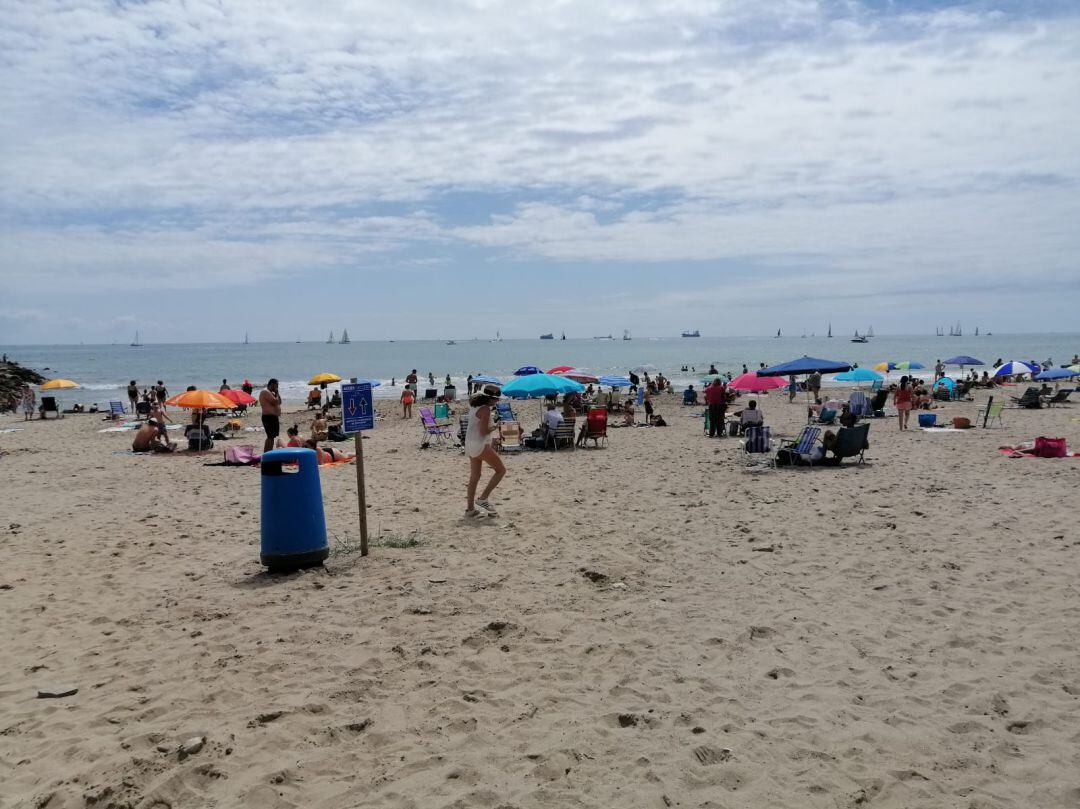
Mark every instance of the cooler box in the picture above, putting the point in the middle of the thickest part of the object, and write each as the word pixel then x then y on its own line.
pixel 927 419
pixel 293 523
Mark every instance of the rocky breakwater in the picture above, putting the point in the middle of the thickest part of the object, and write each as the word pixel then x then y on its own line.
pixel 12 377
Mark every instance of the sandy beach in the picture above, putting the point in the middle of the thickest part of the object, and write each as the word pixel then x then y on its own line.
pixel 648 624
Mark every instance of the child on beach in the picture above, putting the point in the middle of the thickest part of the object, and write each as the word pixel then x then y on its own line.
pixel 478 448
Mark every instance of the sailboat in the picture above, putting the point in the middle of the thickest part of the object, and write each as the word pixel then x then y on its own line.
pixel 859 338
pixel 777 334
pixel 330 340
pixel 344 337
pixel 246 340
pixel 870 332
pixel 136 344
pixel 626 334
pixel 940 332
pixel 976 331
pixel 958 331
pixel 563 336
pixel 830 331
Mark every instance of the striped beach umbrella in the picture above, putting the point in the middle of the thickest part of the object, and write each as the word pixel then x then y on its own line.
pixel 1014 367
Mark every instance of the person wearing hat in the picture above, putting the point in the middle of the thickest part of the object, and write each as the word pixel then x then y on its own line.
pixel 480 451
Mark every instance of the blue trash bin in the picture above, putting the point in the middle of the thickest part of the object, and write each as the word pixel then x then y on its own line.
pixel 293 523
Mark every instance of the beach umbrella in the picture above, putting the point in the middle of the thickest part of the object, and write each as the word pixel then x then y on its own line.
pixel 537 385
pixel 318 379
pixel 238 397
pixel 1075 368
pixel 200 400
pixel 615 381
pixel 906 365
pixel 558 369
pixel 584 377
pixel 962 360
pixel 753 383
pixel 527 370
pixel 805 365
pixel 858 375
pixel 1057 373
pixel 884 367
pixel 1014 367
pixel 59 384
pixel 485 378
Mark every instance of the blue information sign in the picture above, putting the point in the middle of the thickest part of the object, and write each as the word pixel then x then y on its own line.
pixel 356 407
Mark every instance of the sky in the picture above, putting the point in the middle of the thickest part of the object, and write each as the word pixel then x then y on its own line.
pixel 201 169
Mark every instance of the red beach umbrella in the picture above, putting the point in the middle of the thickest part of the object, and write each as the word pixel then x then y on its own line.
pixel 238 396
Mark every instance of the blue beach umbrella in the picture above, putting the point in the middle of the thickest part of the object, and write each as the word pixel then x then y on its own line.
pixel 526 370
pixel 805 365
pixel 615 381
pixel 485 378
pixel 963 360
pixel 858 375
pixel 1057 373
pixel 537 385
pixel 1014 367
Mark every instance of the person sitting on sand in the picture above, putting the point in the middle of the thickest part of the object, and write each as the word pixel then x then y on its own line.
pixel 328 455
pixel 628 412
pixel 319 427
pixel 148 438
pixel 750 416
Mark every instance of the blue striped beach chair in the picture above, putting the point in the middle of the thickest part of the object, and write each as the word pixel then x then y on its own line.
pixel 116 409
pixel 805 442
pixel 759 442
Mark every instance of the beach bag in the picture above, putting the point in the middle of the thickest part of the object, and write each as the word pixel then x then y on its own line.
pixel 1050 447
pixel 961 422
pixel 243 455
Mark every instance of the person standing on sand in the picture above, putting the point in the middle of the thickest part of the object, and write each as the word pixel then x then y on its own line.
pixel 792 388
pixel 407 397
pixel 270 404
pixel 939 370
pixel 161 393
pixel 813 384
pixel 716 399
pixel 903 399
pixel 412 378
pixel 133 395
pixel 29 402
pixel 478 448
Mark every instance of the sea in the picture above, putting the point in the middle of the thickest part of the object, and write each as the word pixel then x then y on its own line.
pixel 103 371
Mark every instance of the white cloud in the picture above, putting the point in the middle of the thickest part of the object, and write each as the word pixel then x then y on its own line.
pixel 228 143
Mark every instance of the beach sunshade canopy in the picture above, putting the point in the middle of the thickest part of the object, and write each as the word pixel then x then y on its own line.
pixel 1057 373
pixel 318 379
pixel 753 383
pixel 558 369
pixel 527 370
pixel 59 384
pixel 536 385
pixel 486 378
pixel 201 400
pixel 1013 367
pixel 945 382
pixel 615 381
pixel 858 375
pixel 584 377
pixel 806 365
pixel 237 396
pixel 963 359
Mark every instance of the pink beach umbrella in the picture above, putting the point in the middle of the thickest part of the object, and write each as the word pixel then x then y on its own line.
pixel 756 384
pixel 584 377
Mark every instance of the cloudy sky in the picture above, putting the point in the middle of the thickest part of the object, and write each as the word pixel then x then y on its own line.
pixel 434 169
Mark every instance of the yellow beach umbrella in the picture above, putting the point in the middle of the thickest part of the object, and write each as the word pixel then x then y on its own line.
pixel 59 384
pixel 882 366
pixel 318 379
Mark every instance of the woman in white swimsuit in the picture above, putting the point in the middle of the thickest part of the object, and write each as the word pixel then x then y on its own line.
pixel 478 448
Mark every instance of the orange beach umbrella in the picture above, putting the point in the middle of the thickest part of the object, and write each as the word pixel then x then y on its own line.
pixel 59 384
pixel 201 400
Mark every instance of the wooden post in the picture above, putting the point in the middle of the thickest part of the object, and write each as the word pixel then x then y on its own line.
pixel 361 494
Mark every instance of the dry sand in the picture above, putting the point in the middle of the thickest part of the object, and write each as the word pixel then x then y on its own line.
pixel 900 634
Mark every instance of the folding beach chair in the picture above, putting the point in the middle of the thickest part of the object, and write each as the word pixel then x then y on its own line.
pixel 442 412
pixel 596 426
pixel 510 433
pixel 463 427
pixel 877 406
pixel 851 442
pixel 800 446
pixel 1061 397
pixel 431 429
pixel 878 384
pixel 859 404
pixel 827 416
pixel 1030 400
pixel 48 405
pixel 992 411
pixel 505 412
pixel 759 442
pixel 142 410
pixel 563 435
pixel 116 409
